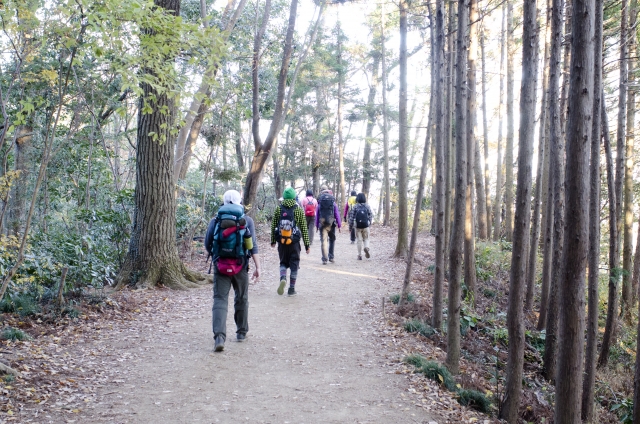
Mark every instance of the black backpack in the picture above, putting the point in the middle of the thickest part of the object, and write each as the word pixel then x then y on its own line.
pixel 361 216
pixel 287 231
pixel 326 202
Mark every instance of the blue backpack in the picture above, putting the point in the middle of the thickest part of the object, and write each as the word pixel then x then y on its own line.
pixel 226 244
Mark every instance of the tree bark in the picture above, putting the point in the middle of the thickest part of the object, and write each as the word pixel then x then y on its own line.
pixel 385 128
pixel 572 285
pixel 556 176
pixel 403 224
pixel 517 280
pixel 153 256
pixel 497 215
pixel 17 200
pixel 343 198
pixel 372 113
pixel 508 155
pixel 263 150
pixel 457 231
pixel 485 137
pixel 588 383
pixel 448 118
pixel 440 139
pixel 472 155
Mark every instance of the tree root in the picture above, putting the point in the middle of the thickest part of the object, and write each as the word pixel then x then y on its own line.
pixel 172 274
pixel 8 370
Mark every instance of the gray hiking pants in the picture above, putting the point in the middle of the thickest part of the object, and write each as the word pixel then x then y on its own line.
pixel 363 238
pixel 221 286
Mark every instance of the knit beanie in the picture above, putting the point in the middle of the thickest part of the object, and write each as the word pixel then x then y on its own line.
pixel 289 193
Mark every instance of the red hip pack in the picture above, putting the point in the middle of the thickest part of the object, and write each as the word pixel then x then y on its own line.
pixel 229 266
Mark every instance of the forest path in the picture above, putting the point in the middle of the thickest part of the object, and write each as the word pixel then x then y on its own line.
pixel 311 358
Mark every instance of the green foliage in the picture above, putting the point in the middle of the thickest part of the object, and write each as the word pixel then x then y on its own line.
pixel 418 326
pixel 624 410
pixel 11 333
pixel 491 259
pixel 474 399
pixel 500 335
pixel 536 339
pixel 21 303
pixel 467 320
pixel 433 371
pixel 9 378
pixel 395 298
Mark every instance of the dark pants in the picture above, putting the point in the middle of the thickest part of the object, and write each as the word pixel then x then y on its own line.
pixel 221 286
pixel 353 234
pixel 289 258
pixel 311 227
pixel 327 236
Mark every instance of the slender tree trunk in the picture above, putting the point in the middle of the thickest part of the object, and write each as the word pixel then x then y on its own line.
pixel 508 155
pixel 485 137
pixel 469 239
pixel 608 338
pixel 343 199
pixel 517 280
pixel 440 139
pixel 572 285
pixel 497 215
pixel 372 113
pixel 17 200
pixel 457 233
pixel 588 383
pixel 385 128
pixel 627 253
pixel 448 118
pixel 153 257
pixel 403 224
pixel 556 176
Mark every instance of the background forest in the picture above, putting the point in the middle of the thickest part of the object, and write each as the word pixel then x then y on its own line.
pixel 122 123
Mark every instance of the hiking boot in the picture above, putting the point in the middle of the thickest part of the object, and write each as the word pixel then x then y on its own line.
pixel 241 337
pixel 353 242
pixel 292 291
pixel 324 262
pixel 331 260
pixel 219 346
pixel 359 257
pixel 366 252
pixel 283 282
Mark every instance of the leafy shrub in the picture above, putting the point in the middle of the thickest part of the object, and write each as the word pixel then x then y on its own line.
pixel 433 371
pixel 9 378
pixel 22 303
pixel 500 335
pixel 536 339
pixel 474 399
pixel 11 333
pixel 395 298
pixel 624 410
pixel 71 312
pixel 491 259
pixel 417 326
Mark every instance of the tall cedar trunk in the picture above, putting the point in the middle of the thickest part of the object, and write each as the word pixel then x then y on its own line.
pixel 448 118
pixel 372 114
pixel 636 380
pixel 239 157
pixel 339 119
pixel 17 200
pixel 565 68
pixel 588 383
pixel 263 150
pixel 622 113
pixel 457 231
pixel 518 275
pixel 385 129
pixel 153 256
pixel 195 115
pixel 556 177
pixel 423 177
pixel 402 246
pixel 540 180
pixel 469 239
pixel 508 155
pixel 440 139
pixel 572 285
pixel 626 304
pixel 614 258
pixel 485 138
pixel 497 213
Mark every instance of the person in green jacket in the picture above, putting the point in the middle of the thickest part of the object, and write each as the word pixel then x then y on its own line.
pixel 288 228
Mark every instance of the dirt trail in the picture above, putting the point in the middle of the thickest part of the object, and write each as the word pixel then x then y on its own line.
pixel 312 358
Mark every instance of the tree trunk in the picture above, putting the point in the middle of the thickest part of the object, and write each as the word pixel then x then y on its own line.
pixel 385 129
pixel 402 245
pixel 518 275
pixel 485 137
pixel 472 154
pixel 372 114
pixel 497 215
pixel 572 284
pixel 626 304
pixel 153 256
pixel 457 233
pixel 508 155
pixel 588 383
pixel 440 139
pixel 448 118
pixel 343 199
pixel 556 176
pixel 17 200
pixel 262 150
pixel 239 156
pixel 608 338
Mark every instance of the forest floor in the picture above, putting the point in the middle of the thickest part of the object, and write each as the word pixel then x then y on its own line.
pixel 332 354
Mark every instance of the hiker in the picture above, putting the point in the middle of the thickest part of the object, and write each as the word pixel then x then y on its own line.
pixel 360 218
pixel 309 204
pixel 288 227
pixel 350 204
pixel 231 241
pixel 327 218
